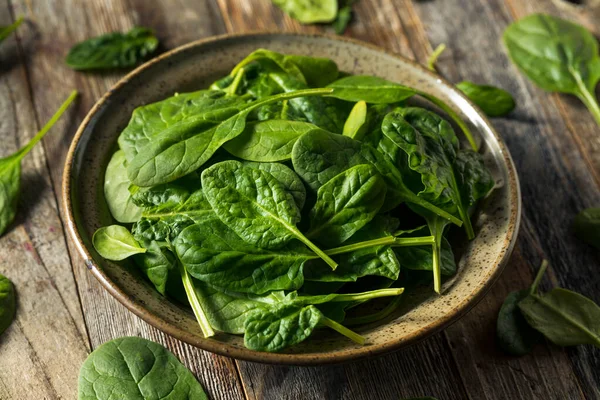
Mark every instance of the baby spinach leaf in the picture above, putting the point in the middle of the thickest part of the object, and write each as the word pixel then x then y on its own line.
pixel 136 369
pixel 587 226
pixel 566 318
pixel 187 145
pixel 287 177
pixel 319 156
pixel 268 141
pixel 514 335
pixel 213 253
pixel 115 243
pixel 116 190
pixel 10 170
pixel 113 50
pixel 150 120
pixel 370 89
pixel 493 101
pixel 7 303
pixel 7 30
pixel 356 125
pixel 159 264
pixel 255 205
pixel 557 55
pixel 432 59
pixel 345 204
pixel 309 11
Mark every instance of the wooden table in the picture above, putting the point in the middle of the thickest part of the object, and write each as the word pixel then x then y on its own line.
pixel 63 312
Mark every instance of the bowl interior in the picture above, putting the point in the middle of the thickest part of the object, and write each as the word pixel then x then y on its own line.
pixel 193 67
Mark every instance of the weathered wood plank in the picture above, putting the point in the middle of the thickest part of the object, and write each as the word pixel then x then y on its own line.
pixel 557 176
pixel 58 24
pixel 33 254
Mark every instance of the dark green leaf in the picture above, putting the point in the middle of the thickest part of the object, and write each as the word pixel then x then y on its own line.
pixel 7 303
pixel 113 50
pixel 133 368
pixel 493 101
pixel 587 226
pixel 514 335
pixel 160 266
pixel 287 177
pixel 558 55
pixel 342 20
pixel 345 204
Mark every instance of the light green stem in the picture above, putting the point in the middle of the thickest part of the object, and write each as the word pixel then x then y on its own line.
pixel 316 250
pixel 588 99
pixel 434 56
pixel 232 89
pixel 373 294
pixel 190 291
pixel 410 197
pixel 10 29
pixel 27 148
pixel 538 277
pixel 384 241
pixel 355 337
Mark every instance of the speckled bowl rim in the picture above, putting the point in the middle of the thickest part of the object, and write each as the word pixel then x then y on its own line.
pixel 228 350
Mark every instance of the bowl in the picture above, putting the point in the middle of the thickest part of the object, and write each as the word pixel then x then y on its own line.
pixel 194 66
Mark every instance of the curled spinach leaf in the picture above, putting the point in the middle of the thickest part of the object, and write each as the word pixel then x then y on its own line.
pixel 113 50
pixel 136 369
pixel 7 303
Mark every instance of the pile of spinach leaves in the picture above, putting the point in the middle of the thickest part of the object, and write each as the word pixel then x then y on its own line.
pixel 288 194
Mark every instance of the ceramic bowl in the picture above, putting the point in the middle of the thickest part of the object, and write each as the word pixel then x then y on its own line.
pixel 194 66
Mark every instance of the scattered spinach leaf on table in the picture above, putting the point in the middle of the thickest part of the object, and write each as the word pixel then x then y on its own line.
pixel 344 16
pixel 7 30
pixel 309 11
pixel 587 226
pixel 557 55
pixel 493 101
pixel 7 303
pixel 514 334
pixel 136 369
pixel 10 170
pixel 113 50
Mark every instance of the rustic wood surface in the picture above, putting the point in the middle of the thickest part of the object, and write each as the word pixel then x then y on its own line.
pixel 63 312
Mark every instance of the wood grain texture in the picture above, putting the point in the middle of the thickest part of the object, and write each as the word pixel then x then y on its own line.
pixel 33 255
pixel 55 26
pixel 557 177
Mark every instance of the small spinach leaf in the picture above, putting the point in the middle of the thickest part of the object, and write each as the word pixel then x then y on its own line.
pixel 587 226
pixel 309 11
pixel 514 335
pixel 345 204
pixel 136 369
pixel 113 50
pixel 356 125
pixel 7 30
pixel 343 18
pixel 493 101
pixel 557 55
pixel 7 303
pixel 115 243
pixel 255 205
pixel 10 170
pixel 116 190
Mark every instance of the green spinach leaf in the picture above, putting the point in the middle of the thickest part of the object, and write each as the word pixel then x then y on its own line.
pixel 587 226
pixel 7 30
pixel 344 17
pixel 370 89
pixel 113 50
pixel 345 204
pixel 493 101
pixel 116 190
pixel 255 205
pixel 514 335
pixel 115 243
pixel 557 55
pixel 356 125
pixel 159 264
pixel 136 369
pixel 287 177
pixel 7 303
pixel 10 170
pixel 309 11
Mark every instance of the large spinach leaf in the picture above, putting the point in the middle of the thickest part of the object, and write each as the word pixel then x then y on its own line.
pixel 136 369
pixel 187 145
pixel 587 226
pixel 287 177
pixel 116 190
pixel 7 303
pixel 558 55
pixel 150 120
pixel 309 11
pixel 255 205
pixel 319 156
pixel 345 204
pixel 113 50
pixel 10 170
